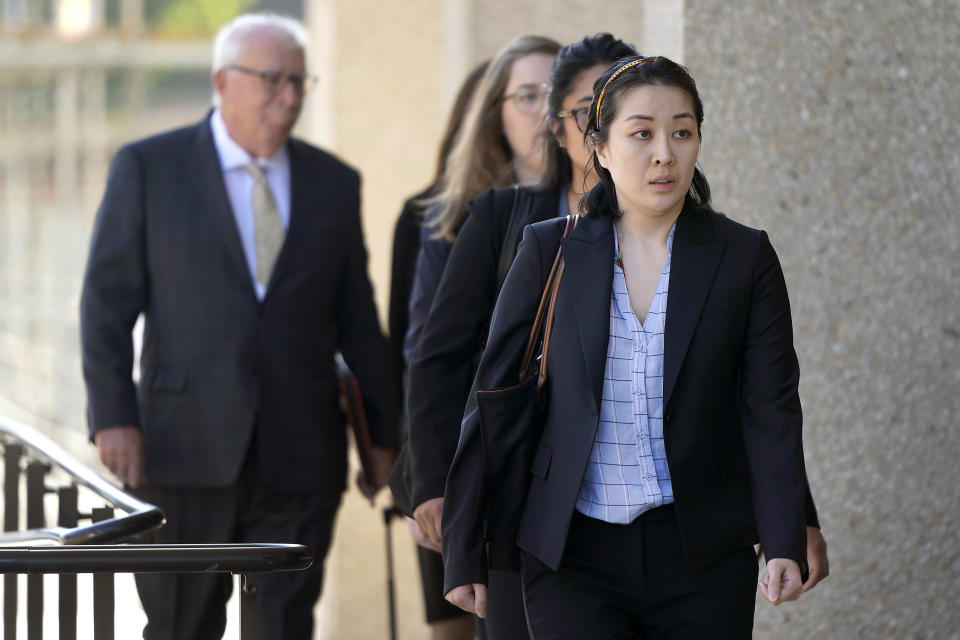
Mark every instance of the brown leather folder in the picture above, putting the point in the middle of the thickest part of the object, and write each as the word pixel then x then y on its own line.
pixel 351 402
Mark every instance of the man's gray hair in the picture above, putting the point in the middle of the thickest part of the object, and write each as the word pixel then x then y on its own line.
pixel 230 40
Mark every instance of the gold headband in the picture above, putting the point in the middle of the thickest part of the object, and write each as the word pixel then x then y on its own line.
pixel 614 77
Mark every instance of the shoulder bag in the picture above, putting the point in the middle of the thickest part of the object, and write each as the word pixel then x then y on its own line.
pixel 511 421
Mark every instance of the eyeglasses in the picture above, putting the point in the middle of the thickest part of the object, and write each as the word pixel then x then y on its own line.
pixel 274 81
pixel 580 114
pixel 528 100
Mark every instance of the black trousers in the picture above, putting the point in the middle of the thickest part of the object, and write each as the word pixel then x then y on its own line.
pixel 632 581
pixel 192 606
pixel 505 616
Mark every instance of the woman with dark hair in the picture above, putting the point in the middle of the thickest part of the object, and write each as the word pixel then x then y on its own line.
pixel 446 621
pixel 445 362
pixel 672 434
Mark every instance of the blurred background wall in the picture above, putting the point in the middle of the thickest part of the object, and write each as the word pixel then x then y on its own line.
pixel 833 125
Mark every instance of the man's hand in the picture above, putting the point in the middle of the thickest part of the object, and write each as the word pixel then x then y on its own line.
pixel 382 459
pixel 419 538
pixel 782 582
pixel 472 598
pixel 121 450
pixel 428 515
pixel 816 558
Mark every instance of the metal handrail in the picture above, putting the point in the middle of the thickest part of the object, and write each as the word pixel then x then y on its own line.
pixel 154 558
pixel 141 517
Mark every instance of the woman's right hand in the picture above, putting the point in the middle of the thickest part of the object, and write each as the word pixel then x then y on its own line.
pixel 472 598
pixel 421 539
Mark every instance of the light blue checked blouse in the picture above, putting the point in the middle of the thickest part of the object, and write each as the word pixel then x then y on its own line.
pixel 627 472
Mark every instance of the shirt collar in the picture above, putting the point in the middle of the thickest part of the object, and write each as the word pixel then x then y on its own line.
pixel 233 156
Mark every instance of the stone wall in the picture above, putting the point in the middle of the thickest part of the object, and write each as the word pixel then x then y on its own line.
pixel 834 126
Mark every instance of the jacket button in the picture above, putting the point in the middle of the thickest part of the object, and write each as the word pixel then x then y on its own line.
pixel 668 419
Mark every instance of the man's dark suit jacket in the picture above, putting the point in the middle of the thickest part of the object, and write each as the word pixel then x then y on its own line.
pixel 218 364
pixel 732 412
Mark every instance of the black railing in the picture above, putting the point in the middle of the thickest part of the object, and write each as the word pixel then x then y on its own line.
pixel 68 548
pixel 18 439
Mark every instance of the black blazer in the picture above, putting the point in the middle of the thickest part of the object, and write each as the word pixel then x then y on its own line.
pixel 216 361
pixel 406 246
pixel 731 404
pixel 444 363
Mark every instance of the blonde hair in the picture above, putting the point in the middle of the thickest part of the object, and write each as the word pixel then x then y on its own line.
pixel 481 158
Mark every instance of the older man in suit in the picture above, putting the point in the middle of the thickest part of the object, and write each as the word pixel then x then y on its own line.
pixel 243 250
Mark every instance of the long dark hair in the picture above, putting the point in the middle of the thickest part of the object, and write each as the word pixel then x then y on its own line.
pixel 660 71
pixel 572 60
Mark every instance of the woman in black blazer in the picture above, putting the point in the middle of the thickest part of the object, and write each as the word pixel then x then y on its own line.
pixel 711 377
pixel 444 363
pixel 499 144
pixel 452 336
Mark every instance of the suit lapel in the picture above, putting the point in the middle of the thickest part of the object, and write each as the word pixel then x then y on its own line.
pixel 696 254
pixel 207 177
pixel 588 276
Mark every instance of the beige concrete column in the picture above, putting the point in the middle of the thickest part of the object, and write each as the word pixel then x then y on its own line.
pixel 385 72
pixel 381 104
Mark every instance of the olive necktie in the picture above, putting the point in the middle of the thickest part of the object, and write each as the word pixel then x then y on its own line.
pixel 268 231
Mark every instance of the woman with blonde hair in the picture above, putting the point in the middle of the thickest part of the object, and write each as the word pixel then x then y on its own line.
pixel 501 144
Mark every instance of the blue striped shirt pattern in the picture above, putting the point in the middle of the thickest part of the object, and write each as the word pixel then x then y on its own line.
pixel 627 471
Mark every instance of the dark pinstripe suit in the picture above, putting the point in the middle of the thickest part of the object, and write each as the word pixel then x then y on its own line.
pixel 227 379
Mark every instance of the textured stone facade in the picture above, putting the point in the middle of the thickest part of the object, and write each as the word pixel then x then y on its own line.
pixel 834 126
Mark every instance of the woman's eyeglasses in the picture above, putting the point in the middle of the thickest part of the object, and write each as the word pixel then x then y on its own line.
pixel 580 115
pixel 528 99
pixel 274 81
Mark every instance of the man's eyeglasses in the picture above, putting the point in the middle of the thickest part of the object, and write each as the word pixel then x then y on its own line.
pixel 274 81
pixel 580 114
pixel 528 99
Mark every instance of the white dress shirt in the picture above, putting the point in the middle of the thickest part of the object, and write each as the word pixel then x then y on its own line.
pixel 239 184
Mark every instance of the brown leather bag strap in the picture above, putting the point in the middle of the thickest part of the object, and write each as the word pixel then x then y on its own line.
pixel 545 311
pixel 547 332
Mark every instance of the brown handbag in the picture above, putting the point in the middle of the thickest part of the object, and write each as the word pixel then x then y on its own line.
pixel 511 421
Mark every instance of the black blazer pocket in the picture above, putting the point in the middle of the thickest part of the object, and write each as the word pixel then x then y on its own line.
pixel 541 461
pixel 166 379
pixel 733 460
pixel 724 302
